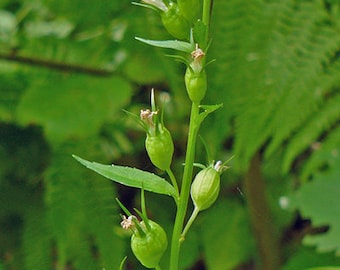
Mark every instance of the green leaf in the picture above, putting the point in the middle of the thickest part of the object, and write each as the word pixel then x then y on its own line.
pixel 73 106
pixel 169 44
pixel 318 200
pixel 208 109
pixel 71 205
pixel 200 32
pixel 131 177
pixel 8 24
pixel 59 28
pixel 306 257
pixel 143 67
pixel 227 242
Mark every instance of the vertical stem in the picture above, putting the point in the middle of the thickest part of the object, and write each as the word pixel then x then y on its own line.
pixel 206 12
pixel 185 188
pixel 189 160
pixel 207 8
pixel 261 219
pixel 173 180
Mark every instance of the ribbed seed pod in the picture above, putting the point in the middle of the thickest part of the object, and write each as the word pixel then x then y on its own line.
pixel 160 149
pixel 196 84
pixel 175 23
pixel 149 248
pixel 205 188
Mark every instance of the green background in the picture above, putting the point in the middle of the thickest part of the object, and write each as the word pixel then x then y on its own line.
pixel 68 68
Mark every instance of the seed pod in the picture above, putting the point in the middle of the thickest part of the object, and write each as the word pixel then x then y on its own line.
pixel 160 148
pixel 175 23
pixel 205 188
pixel 149 248
pixel 196 84
pixel 190 9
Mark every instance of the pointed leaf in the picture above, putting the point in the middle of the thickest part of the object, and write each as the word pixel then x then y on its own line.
pixel 170 44
pixel 131 177
pixel 208 109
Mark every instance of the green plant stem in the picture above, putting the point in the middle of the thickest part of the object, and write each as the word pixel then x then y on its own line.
pixel 185 188
pixel 207 5
pixel 189 223
pixel 173 180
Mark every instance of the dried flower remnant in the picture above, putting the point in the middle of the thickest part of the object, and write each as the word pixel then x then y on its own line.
pixel 128 223
pixel 146 116
pixel 197 63
pixel 157 4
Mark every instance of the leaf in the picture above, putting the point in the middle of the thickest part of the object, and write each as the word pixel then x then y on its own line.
pixel 170 44
pixel 314 127
pixel 324 156
pixel 208 109
pixel 268 97
pixel 8 23
pixel 131 177
pixel 143 67
pixel 318 200
pixel 306 257
pixel 228 241
pixel 71 205
pixel 73 106
pixel 59 28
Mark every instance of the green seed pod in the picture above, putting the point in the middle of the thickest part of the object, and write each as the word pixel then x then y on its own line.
pixel 205 188
pixel 175 23
pixel 160 148
pixel 190 9
pixel 149 248
pixel 196 84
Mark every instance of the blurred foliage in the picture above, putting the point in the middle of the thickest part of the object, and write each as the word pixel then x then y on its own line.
pixel 67 68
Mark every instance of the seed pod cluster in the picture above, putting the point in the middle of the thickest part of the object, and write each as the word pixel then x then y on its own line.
pixel 150 247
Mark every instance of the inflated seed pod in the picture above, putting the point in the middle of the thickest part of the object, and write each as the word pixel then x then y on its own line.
pixel 150 247
pixel 190 9
pixel 196 84
pixel 160 148
pixel 175 23
pixel 205 188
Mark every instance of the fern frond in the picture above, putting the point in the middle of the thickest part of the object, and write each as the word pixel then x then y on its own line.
pixel 317 124
pixel 322 156
pixel 236 49
pixel 305 93
pixel 80 213
pixel 103 214
pixel 273 77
